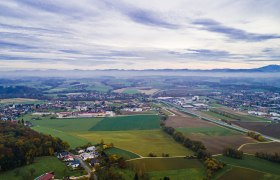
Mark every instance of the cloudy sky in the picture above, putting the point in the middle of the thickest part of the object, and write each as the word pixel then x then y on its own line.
pixel 142 34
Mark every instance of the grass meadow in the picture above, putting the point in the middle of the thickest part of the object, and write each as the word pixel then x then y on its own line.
pixel 41 166
pixel 139 134
pixel 141 142
pixel 174 168
pixel 252 163
pixel 122 123
pixel 208 131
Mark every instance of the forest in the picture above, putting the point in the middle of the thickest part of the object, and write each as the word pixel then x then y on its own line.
pixel 19 145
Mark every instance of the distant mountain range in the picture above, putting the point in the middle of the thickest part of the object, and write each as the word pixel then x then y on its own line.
pixel 264 69
pixel 269 70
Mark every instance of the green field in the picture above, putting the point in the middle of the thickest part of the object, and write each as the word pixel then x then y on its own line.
pixel 122 153
pixel 80 131
pixel 131 91
pixel 219 116
pixel 208 131
pixel 139 122
pixel 74 141
pixel 252 163
pixel 140 142
pixel 233 173
pixel 180 174
pixel 236 116
pixel 20 101
pixel 77 124
pixel 165 164
pixel 41 166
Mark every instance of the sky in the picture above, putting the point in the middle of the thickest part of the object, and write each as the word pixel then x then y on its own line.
pixel 138 34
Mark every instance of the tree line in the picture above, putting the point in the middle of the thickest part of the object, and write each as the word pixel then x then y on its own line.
pixel 212 165
pixel 19 145
pixel 270 157
pixel 255 135
pixel 234 153
pixel 195 146
pixel 226 114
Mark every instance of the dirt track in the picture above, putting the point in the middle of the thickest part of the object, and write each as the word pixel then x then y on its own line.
pixel 214 144
pixel 262 147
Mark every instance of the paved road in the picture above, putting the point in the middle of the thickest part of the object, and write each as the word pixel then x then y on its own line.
pixel 221 123
pixel 84 165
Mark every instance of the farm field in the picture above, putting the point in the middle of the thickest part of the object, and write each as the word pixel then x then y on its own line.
pixel 141 142
pixel 214 137
pixel 174 168
pixel 210 114
pixel 180 174
pixel 122 153
pixel 269 129
pixel 140 122
pixel 242 173
pixel 118 130
pixel 181 120
pixel 252 162
pixel 216 144
pixel 208 131
pixel 135 90
pixel 145 121
pixel 240 116
pixel 73 141
pixel 165 164
pixel 127 91
pixel 270 147
pixel 41 165
pixel 76 124
pixel 19 101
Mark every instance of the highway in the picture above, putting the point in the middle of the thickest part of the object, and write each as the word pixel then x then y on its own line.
pixel 221 123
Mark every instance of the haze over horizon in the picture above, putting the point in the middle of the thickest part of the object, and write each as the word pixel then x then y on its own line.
pixel 110 34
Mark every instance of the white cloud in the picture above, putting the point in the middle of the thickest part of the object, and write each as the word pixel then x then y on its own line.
pixel 135 34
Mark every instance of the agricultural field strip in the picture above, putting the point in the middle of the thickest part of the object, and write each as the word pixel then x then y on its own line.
pixel 154 141
pixel 252 162
pixel 247 168
pixel 253 143
pixel 141 157
pixel 237 128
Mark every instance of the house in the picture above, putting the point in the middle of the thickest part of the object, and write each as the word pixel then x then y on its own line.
pixel 46 176
pixel 74 164
pixel 68 158
pixel 86 156
pixel 81 151
pixel 90 149
pixel 61 155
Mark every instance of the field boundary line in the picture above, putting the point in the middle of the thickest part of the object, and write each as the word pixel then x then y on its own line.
pixel 156 158
pixel 130 152
pixel 252 169
pixel 241 146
